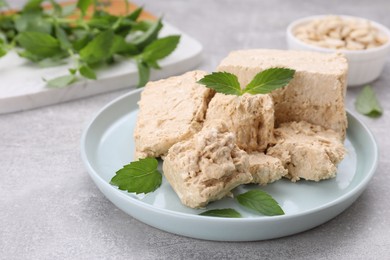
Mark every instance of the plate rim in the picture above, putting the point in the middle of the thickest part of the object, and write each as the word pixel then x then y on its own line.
pixel 355 191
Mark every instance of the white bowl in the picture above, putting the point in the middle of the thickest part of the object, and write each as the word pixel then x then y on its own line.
pixel 364 65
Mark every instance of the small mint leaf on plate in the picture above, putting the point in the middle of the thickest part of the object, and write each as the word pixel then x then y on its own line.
pixel 261 202
pixel 140 176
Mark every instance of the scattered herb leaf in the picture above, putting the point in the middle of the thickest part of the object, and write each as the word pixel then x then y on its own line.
pixel 140 176
pixel 261 202
pixel 42 45
pixel 222 213
pixel 61 81
pixel 62 38
pixel 149 36
pixel 143 72
pixel 3 50
pixel 160 48
pixel 367 103
pixel 98 49
pixel 87 72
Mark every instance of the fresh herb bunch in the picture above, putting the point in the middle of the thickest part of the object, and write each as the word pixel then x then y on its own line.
pixel 50 37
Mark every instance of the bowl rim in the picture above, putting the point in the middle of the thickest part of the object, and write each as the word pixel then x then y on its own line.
pixel 306 19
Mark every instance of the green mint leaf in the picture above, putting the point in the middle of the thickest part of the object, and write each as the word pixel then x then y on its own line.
pixel 140 25
pixel 32 5
pixel 73 71
pixel 269 80
pixel 154 65
pixel 222 82
pixel 87 72
pixel 143 73
pixel 81 42
pixel 62 38
pixel 149 36
pixel 32 21
pixel 140 176
pixel 135 14
pixel 222 213
pixel 260 202
pixel 160 48
pixel 52 62
pixel 40 44
pixel 120 46
pixel 30 56
pixel 61 81
pixel 367 103
pixel 83 6
pixel 99 48
pixel 102 23
pixel 3 50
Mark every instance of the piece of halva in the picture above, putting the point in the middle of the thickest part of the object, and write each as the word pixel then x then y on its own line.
pixel 315 94
pixel 308 151
pixel 206 167
pixel 265 169
pixel 170 110
pixel 249 117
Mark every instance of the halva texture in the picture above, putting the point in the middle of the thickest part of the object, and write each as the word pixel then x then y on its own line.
pixel 249 117
pixel 307 151
pixel 265 168
pixel 206 167
pixel 170 110
pixel 315 94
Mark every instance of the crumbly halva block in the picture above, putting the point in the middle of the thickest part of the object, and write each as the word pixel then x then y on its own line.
pixel 170 110
pixel 315 94
pixel 265 169
pixel 206 167
pixel 249 117
pixel 308 151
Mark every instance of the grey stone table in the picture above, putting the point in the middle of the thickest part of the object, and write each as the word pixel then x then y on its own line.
pixel 51 209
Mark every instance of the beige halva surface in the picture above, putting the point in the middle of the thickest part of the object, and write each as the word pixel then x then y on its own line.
pixel 51 209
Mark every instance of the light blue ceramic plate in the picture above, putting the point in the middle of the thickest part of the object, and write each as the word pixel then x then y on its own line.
pixel 107 145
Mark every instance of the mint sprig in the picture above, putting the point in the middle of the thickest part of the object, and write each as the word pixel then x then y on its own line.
pixel 263 82
pixel 367 103
pixel 261 202
pixel 50 37
pixel 140 176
